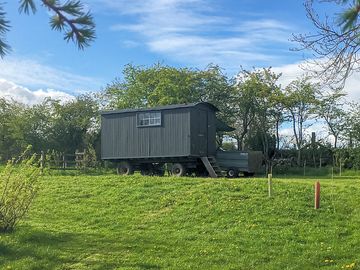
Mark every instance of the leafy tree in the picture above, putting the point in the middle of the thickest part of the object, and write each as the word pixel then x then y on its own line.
pixel 51 125
pixel 257 93
pixel 69 17
pixel 74 124
pixel 335 44
pixel 245 106
pixel 330 108
pixel 12 125
pixel 39 124
pixel 257 116
pixel 352 127
pixel 300 99
pixel 163 85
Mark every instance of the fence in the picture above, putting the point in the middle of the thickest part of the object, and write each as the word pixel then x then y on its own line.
pixel 64 161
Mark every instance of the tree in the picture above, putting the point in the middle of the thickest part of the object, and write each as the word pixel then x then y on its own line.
pixel 51 125
pixel 162 85
pixel 12 124
pixel 74 125
pixel 352 127
pixel 335 44
pixel 245 106
pixel 330 108
pixel 70 17
pixel 257 116
pixel 39 125
pixel 300 99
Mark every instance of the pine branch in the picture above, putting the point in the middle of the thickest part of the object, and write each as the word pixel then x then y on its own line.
pixel 71 18
pixel 4 27
pixel 348 19
pixel 26 6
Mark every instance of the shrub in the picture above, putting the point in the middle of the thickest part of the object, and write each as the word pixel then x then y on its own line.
pixel 90 157
pixel 18 187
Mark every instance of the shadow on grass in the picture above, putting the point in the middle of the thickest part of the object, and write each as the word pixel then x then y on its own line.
pixel 32 249
pixel 27 248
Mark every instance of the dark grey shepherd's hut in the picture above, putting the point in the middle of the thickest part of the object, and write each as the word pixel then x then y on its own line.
pixel 145 139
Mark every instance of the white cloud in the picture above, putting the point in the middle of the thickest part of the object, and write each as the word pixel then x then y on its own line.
pixel 292 71
pixel 10 90
pixel 189 32
pixel 33 74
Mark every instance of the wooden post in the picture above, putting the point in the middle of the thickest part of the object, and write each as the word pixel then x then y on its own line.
pixel 304 167
pixel 270 184
pixel 84 159
pixel 340 166
pixel 42 159
pixel 64 162
pixel 317 195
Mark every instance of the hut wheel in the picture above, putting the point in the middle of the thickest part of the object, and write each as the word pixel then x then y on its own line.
pixel 125 168
pixel 178 169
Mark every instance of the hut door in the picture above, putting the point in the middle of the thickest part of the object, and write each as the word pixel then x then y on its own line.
pixel 202 134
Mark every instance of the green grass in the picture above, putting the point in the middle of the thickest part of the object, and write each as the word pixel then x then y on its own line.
pixel 111 222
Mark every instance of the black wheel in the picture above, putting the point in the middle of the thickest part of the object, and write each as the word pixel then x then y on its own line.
pixel 178 169
pixel 125 168
pixel 232 173
pixel 249 174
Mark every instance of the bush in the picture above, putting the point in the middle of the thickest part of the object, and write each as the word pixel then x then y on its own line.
pixel 18 187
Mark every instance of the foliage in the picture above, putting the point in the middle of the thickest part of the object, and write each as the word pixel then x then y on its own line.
pixel 228 146
pixel 162 85
pixel 90 159
pixel 51 125
pixel 74 124
pixel 330 108
pixel 13 120
pixel 18 187
pixel 4 27
pixel 258 111
pixel 69 17
pixel 352 129
pixel 186 223
pixel 335 44
pixel 299 101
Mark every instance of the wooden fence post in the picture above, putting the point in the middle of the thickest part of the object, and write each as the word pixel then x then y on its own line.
pixel 317 195
pixel 42 161
pixel 64 162
pixel 340 168
pixel 270 184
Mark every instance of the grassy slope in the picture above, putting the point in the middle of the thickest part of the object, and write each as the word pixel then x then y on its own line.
pixel 111 222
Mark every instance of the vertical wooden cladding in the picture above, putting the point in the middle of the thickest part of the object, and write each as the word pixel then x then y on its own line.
pixel 121 137
pixel 203 131
pixel 186 130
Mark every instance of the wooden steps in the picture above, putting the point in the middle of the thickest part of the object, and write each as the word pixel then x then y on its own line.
pixel 212 167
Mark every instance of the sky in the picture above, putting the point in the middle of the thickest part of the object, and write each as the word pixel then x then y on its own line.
pixel 180 33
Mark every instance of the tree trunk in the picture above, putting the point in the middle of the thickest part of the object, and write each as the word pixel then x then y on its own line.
pixel 239 144
pixel 299 157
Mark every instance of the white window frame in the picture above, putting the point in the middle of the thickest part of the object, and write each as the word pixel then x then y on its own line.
pixel 149 119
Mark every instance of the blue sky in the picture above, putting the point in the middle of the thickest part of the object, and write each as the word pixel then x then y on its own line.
pixel 181 33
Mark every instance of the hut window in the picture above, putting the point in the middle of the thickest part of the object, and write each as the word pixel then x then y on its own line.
pixel 147 119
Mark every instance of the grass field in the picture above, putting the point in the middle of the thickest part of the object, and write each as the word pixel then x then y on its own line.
pixel 112 222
